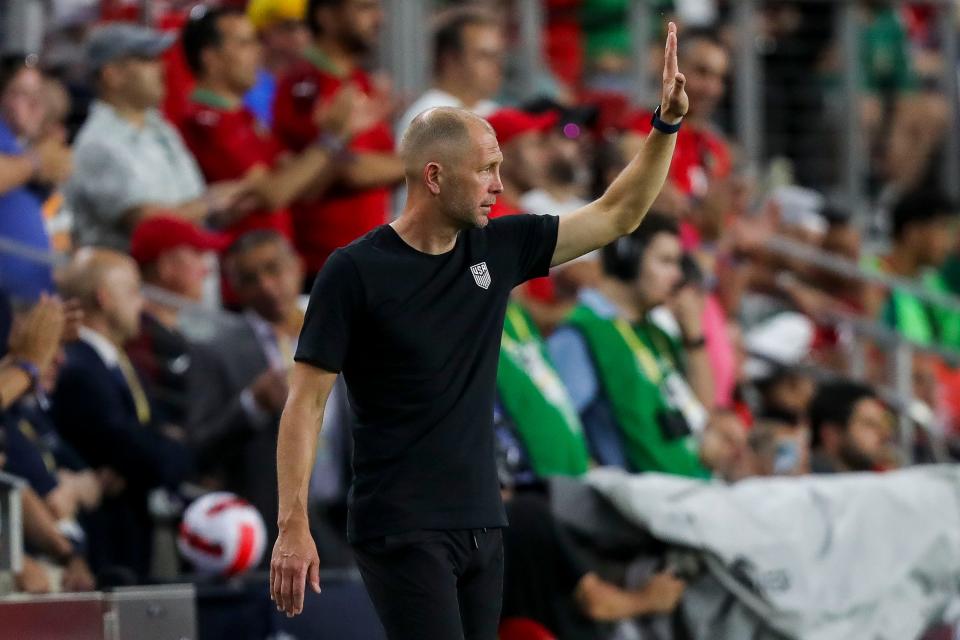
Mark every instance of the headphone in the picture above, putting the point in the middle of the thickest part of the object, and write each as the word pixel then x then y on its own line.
pixel 621 258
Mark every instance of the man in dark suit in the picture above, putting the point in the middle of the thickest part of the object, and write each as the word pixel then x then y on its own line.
pixel 243 414
pixel 102 410
pixel 243 403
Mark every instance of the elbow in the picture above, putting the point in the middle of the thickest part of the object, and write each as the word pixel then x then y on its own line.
pixel 624 216
pixel 625 221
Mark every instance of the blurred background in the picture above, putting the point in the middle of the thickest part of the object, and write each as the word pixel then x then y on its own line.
pixel 769 363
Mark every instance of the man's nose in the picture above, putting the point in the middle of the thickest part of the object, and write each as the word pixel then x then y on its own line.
pixel 496 186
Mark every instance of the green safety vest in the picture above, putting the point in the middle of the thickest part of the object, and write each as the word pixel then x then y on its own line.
pixel 633 364
pixel 534 397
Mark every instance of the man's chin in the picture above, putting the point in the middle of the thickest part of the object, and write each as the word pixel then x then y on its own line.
pixel 482 219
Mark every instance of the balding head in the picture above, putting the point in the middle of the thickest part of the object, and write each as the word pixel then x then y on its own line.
pixel 452 163
pixel 107 285
pixel 441 134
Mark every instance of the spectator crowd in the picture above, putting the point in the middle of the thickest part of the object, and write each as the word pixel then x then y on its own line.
pixel 168 195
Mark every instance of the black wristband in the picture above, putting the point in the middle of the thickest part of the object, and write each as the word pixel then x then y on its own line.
pixel 662 126
pixel 695 343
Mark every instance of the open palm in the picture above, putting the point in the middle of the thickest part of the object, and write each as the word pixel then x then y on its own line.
pixel 674 103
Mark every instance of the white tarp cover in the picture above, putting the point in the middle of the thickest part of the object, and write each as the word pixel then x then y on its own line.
pixel 838 557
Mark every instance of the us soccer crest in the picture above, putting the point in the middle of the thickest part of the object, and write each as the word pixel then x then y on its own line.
pixel 481 275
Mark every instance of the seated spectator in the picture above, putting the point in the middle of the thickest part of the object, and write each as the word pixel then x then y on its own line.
pixel 635 387
pixel 546 580
pixel 534 401
pixel 31 162
pixel 852 430
pixel 522 139
pixel 923 235
pixel 566 176
pixel 30 450
pixel 468 52
pixel 101 409
pixel 130 163
pixel 173 256
pixel 904 120
pixel 344 35
pixel 257 353
pixel 35 450
pixel 776 348
pixel 284 37
pixel 229 144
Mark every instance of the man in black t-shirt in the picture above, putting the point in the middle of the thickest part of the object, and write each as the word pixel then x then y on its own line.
pixel 412 315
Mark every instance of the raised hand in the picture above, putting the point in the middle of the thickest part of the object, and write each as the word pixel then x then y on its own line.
pixel 674 103
pixel 36 336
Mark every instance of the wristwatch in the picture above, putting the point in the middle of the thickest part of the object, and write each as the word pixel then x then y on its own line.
pixel 662 126
pixel 335 145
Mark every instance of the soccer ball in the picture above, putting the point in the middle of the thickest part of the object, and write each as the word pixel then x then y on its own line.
pixel 222 534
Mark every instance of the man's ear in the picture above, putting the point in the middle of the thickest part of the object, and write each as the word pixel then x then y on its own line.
pixel 103 297
pixel 432 177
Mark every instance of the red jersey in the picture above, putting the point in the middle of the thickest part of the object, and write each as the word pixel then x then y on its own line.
pixel 701 155
pixel 342 214
pixel 228 142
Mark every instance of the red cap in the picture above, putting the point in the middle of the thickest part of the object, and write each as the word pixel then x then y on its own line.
pixel 157 234
pixel 510 123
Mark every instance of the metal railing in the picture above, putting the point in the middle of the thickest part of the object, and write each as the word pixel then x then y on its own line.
pixel 11 531
pixel 900 350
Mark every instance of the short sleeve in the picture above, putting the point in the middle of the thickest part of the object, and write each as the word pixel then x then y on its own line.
pixel 335 304
pixel 104 182
pixel 532 237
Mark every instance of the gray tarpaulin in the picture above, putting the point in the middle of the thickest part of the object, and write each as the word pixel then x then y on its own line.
pixel 840 557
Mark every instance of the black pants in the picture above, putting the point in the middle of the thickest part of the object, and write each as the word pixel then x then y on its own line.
pixel 435 585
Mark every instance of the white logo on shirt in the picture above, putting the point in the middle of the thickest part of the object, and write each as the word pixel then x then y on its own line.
pixel 481 275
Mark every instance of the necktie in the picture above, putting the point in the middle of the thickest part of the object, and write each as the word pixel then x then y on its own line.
pixel 140 401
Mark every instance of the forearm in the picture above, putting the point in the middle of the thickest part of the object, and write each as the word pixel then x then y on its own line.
pixel 603 601
pixel 40 527
pixel 630 195
pixel 296 450
pixel 15 171
pixel 700 376
pixel 371 170
pixel 311 173
pixel 14 382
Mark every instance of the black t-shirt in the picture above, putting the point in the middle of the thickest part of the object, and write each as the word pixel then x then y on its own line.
pixel 417 338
